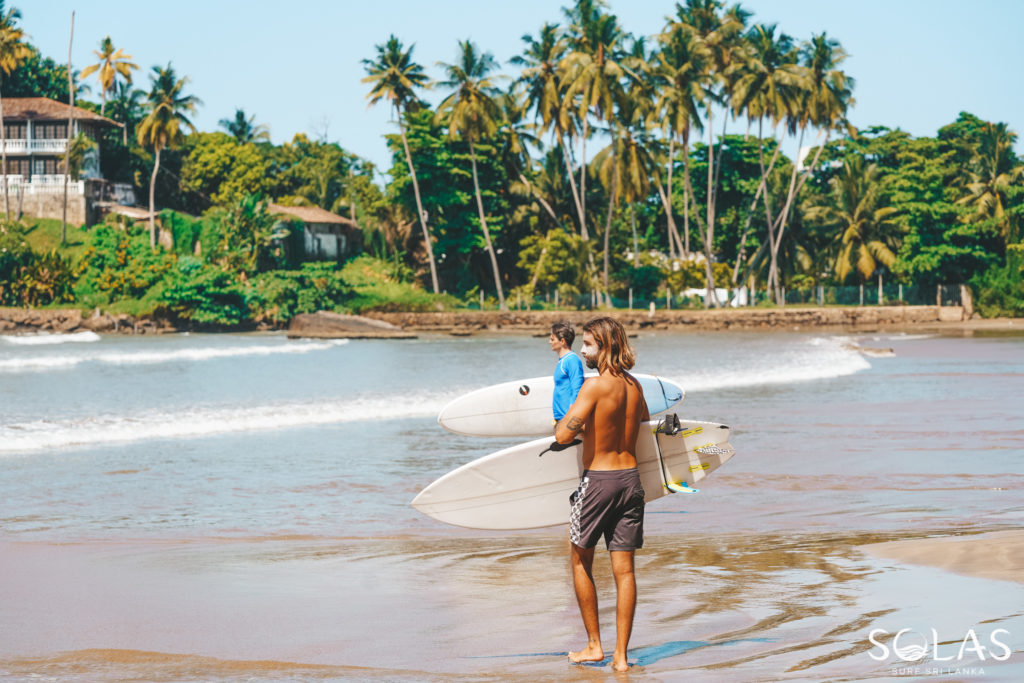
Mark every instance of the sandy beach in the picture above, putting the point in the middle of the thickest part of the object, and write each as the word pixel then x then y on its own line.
pixel 236 507
pixel 997 555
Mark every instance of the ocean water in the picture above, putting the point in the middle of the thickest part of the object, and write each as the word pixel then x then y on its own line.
pixel 269 479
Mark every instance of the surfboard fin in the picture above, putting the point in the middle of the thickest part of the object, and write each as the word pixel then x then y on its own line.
pixel 681 487
pixel 555 446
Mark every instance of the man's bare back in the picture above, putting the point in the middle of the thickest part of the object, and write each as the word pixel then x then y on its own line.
pixel 609 410
pixel 610 499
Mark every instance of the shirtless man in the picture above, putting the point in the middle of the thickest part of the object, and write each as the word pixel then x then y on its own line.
pixel 610 500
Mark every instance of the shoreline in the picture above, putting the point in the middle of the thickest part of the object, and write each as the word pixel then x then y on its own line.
pixel 465 323
pixel 997 555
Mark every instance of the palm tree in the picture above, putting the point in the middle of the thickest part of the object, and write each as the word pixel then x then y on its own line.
pixel 993 170
pixel 542 84
pixel 823 103
pixel 515 136
pixel 126 107
pixel 168 109
pixel 395 78
pixel 593 76
pixel 111 65
pixel 862 221
pixel 768 84
pixel 244 129
pixel 13 51
pixel 681 75
pixel 472 113
pixel 720 31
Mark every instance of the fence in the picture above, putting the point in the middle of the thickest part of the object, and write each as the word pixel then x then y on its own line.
pixel 871 295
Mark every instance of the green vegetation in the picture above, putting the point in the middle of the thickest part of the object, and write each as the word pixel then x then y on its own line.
pixel 600 166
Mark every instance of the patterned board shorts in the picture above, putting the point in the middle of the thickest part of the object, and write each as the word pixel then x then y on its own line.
pixel 608 503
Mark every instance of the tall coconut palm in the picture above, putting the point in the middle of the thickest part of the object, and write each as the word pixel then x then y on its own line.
pixel 126 107
pixel 625 167
pixel 396 78
pixel 720 30
pixel 245 129
pixel 13 51
pixel 857 212
pixel 472 113
pixel 681 73
pixel 993 170
pixel 168 109
pixel 593 76
pixel 823 103
pixel 113 63
pixel 768 84
pixel 515 135
pixel 542 86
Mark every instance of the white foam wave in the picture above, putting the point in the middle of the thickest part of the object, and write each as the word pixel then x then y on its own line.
pixel 110 428
pixel 45 339
pixel 820 358
pixel 53 362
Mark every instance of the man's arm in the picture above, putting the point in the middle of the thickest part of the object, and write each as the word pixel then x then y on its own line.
pixel 579 413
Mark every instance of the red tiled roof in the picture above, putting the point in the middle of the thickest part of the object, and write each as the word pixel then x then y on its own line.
pixel 311 214
pixel 45 109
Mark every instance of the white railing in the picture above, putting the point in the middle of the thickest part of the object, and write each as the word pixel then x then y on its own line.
pixel 42 184
pixel 21 146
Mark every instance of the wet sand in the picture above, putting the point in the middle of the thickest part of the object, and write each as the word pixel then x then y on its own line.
pixel 769 606
pixel 998 555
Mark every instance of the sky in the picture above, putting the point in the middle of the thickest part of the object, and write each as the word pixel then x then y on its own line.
pixel 297 66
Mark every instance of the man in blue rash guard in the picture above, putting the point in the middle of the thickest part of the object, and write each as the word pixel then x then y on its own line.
pixel 568 371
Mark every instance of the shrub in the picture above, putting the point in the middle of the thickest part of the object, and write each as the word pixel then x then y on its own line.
pixel 205 294
pixel 278 296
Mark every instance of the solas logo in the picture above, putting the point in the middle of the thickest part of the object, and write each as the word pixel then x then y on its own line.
pixel 912 646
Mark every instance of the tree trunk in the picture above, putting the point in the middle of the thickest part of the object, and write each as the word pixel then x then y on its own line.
pixel 547 207
pixel 636 244
pixel 152 202
pixel 709 274
pixel 687 194
pixel 572 186
pixel 540 264
pixel 583 180
pixel 419 208
pixel 611 208
pixel 709 228
pixel 794 189
pixel 668 203
pixel 3 157
pixel 487 234
pixel 67 151
pixel 762 187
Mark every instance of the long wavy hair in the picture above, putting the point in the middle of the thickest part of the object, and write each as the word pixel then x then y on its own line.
pixel 614 354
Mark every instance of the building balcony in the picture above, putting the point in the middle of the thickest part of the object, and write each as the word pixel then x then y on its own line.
pixel 43 184
pixel 24 146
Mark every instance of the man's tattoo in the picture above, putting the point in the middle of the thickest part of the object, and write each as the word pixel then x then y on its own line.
pixel 575 424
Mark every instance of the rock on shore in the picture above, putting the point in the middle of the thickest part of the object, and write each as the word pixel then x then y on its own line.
pixel 326 325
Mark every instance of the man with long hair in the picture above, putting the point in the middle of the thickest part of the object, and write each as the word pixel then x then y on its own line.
pixel 609 501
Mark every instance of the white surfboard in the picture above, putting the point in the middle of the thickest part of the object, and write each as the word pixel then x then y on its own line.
pixel 523 487
pixel 523 407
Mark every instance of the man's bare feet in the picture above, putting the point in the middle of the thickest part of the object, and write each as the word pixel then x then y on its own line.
pixel 619 665
pixel 591 653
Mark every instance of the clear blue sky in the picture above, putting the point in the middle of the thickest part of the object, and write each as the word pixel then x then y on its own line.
pixel 297 65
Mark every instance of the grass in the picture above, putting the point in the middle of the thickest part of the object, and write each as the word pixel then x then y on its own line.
pixel 43 234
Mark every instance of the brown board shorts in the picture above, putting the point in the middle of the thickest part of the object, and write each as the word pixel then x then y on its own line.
pixel 608 503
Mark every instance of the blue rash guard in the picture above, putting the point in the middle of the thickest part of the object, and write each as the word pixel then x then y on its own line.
pixel 568 380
